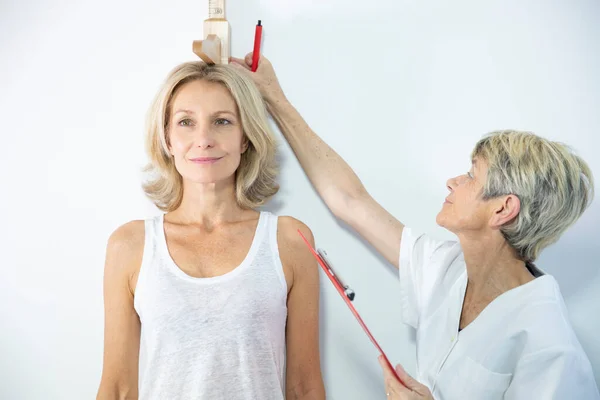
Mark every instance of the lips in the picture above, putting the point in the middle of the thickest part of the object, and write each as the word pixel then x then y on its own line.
pixel 205 158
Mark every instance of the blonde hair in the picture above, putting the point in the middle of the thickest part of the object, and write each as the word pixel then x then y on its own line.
pixel 255 177
pixel 554 186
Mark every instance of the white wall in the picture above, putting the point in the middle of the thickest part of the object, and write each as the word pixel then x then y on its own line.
pixel 401 89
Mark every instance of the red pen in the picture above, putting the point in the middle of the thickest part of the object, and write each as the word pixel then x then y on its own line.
pixel 256 53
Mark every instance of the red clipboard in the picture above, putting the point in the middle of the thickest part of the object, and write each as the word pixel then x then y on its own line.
pixel 347 294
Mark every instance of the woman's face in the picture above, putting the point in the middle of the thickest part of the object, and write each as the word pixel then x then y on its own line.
pixel 464 209
pixel 205 133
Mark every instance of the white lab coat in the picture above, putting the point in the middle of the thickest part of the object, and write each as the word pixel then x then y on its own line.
pixel 521 346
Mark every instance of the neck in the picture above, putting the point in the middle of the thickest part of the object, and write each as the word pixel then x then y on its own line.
pixel 492 265
pixel 208 205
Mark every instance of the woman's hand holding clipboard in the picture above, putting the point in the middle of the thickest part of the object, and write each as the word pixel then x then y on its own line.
pixel 347 294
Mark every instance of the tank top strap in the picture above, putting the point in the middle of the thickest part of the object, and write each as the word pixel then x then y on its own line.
pixel 151 226
pixel 272 222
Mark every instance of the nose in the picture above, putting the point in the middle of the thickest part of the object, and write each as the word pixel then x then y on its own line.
pixel 204 136
pixel 452 183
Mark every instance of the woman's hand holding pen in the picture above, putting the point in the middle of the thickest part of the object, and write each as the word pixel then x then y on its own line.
pixel 410 390
pixel 264 77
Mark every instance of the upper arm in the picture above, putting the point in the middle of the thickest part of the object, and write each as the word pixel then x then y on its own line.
pixel 553 374
pixel 374 223
pixel 303 371
pixel 121 323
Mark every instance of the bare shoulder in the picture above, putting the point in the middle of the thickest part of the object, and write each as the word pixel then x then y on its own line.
pixel 289 237
pixel 127 238
pixel 125 249
pixel 295 255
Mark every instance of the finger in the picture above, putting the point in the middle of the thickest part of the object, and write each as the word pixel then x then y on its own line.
pixel 387 369
pixel 392 385
pixel 248 58
pixel 409 381
pixel 239 61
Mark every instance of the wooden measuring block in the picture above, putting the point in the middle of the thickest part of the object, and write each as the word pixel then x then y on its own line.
pixel 215 48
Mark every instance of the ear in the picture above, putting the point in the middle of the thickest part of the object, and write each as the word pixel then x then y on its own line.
pixel 168 142
pixel 245 144
pixel 506 208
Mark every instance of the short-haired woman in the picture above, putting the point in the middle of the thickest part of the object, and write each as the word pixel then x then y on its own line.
pixel 489 323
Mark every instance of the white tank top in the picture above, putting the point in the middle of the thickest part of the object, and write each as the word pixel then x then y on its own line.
pixel 212 338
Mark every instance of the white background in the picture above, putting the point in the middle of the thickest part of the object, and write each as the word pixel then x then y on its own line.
pixel 401 89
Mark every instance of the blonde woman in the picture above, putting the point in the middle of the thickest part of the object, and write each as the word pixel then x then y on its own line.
pixel 489 323
pixel 211 299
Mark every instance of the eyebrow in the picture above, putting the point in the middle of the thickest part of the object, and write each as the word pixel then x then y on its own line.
pixel 186 111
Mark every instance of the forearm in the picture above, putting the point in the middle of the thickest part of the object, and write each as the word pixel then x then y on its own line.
pixel 316 393
pixel 331 176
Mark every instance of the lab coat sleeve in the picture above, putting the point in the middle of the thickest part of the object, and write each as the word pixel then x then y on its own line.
pixel 421 264
pixel 554 374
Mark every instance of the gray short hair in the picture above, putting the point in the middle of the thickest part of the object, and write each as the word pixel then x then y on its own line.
pixel 554 186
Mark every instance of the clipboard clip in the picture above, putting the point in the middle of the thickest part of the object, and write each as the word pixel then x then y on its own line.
pixel 347 289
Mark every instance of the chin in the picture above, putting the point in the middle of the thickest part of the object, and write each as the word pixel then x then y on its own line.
pixel 208 175
pixel 441 220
